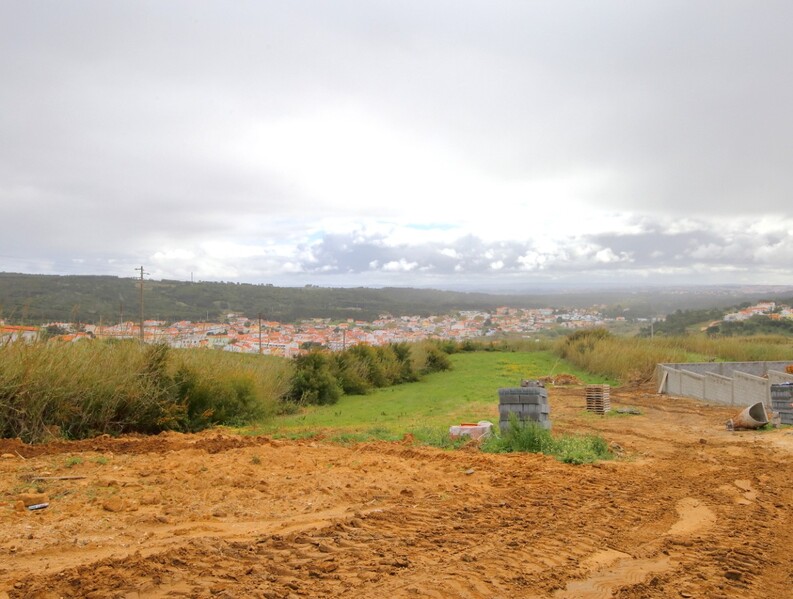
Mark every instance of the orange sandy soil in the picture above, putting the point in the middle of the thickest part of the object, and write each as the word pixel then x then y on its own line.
pixel 687 510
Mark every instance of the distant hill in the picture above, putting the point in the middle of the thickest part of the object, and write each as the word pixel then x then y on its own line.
pixel 35 299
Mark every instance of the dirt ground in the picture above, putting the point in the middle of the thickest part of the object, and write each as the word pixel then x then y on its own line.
pixel 688 510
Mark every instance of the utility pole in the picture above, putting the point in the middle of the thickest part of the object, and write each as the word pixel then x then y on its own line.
pixel 343 332
pixel 142 272
pixel 260 332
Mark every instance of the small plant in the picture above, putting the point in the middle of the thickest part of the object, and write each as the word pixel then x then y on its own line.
pixel 256 460
pixel 581 450
pixel 73 461
pixel 527 437
pixel 101 460
pixel 532 438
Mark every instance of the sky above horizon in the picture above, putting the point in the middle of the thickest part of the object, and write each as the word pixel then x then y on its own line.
pixel 482 145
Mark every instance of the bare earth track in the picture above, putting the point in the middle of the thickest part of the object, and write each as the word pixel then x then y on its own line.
pixel 689 510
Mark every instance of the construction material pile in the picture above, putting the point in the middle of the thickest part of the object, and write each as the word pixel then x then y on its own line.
pixel 782 401
pixel 598 399
pixel 527 403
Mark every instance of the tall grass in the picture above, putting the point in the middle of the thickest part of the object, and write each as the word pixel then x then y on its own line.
pixel 225 388
pixel 95 387
pixel 633 359
pixel 738 349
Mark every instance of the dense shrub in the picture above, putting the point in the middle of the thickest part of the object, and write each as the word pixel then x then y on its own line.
pixel 407 373
pixel 352 373
pixel 435 361
pixel 217 397
pixel 320 377
pixel 376 369
pixel 313 381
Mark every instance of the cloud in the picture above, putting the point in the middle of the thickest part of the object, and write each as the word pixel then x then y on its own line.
pixel 400 265
pixel 398 143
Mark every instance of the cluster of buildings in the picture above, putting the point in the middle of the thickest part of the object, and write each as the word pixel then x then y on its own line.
pixel 241 334
pixel 770 309
pixel 10 333
pixel 518 320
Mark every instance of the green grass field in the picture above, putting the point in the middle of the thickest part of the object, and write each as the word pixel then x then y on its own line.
pixel 426 409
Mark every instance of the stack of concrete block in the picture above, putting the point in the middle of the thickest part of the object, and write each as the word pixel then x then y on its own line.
pixel 528 404
pixel 782 401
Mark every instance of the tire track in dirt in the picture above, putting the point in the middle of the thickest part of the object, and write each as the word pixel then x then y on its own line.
pixel 697 519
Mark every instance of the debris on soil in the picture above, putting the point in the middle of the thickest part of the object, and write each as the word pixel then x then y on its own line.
pixel 561 379
pixel 32 478
pixel 480 430
pixel 634 411
pixel 29 499
pixel 532 383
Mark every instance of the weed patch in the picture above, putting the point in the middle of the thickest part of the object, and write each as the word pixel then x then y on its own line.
pixel 533 438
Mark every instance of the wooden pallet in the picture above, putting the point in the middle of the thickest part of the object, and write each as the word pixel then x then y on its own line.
pixel 598 399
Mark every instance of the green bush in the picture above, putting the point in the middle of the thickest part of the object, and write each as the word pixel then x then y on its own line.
pixel 376 371
pixel 362 368
pixel 352 373
pixel 407 373
pixel 313 381
pixel 435 361
pixel 215 399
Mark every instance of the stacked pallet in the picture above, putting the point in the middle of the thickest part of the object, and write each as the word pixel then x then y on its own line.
pixel 782 401
pixel 598 399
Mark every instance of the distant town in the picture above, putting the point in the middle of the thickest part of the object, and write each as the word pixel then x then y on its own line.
pixel 239 333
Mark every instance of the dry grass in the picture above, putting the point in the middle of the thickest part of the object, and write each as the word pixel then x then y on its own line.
pixel 633 359
pixel 94 387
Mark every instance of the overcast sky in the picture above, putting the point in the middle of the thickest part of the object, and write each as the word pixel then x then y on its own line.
pixel 446 144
